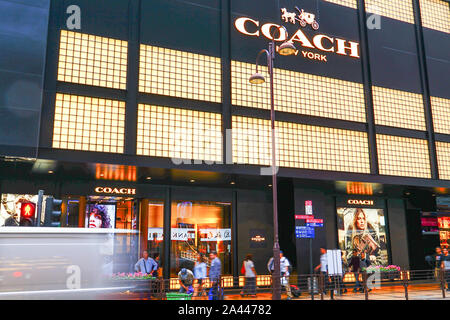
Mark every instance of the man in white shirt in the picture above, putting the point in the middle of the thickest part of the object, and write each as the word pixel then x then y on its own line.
pixel 284 269
pixel 323 266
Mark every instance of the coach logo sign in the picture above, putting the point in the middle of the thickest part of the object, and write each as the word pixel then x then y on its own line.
pixel 109 190
pixel 304 18
pixel 360 202
pixel 321 42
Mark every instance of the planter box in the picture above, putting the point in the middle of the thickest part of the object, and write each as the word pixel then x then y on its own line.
pixel 135 285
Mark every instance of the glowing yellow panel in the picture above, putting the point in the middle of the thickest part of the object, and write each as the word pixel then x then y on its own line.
pixel 300 146
pixel 77 128
pixel 299 93
pixel 347 3
pixel 435 14
pixel 397 108
pixel 179 133
pixel 81 62
pixel 441 114
pixel 395 9
pixel 180 74
pixel 400 156
pixel 443 157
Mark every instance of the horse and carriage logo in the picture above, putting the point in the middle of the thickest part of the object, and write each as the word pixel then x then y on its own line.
pixel 302 17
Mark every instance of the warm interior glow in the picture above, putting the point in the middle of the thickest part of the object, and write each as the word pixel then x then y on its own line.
pixel 395 9
pixel 299 93
pixel 443 158
pixel 435 14
pixel 359 188
pixel 300 146
pixel 400 156
pixel 115 172
pixel 440 108
pixel 347 3
pixel 89 124
pixel 180 74
pixel 397 108
pixel 92 60
pixel 179 133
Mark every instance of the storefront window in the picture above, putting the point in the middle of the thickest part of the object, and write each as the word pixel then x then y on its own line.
pixel 363 230
pixel 200 227
pixel 154 241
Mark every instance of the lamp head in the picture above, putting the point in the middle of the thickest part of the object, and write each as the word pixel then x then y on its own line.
pixel 287 48
pixel 257 78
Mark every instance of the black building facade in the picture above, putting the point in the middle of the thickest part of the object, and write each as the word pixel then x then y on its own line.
pixel 129 104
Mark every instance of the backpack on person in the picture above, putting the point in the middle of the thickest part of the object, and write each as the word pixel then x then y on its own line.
pixel 295 291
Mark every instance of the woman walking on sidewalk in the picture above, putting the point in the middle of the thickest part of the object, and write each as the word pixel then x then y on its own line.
pixel 200 273
pixel 250 277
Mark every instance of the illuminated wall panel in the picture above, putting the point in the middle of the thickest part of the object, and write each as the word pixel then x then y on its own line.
pixel 397 108
pixel 300 146
pixel 395 9
pixel 89 124
pixel 435 14
pixel 300 93
pixel 441 114
pixel 443 157
pixel 180 74
pixel 179 133
pixel 92 60
pixel 251 141
pixel 346 3
pixel 400 156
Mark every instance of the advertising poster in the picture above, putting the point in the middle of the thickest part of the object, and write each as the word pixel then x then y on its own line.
pixel 100 215
pixel 10 207
pixel 363 230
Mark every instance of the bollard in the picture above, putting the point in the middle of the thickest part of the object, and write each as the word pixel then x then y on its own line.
pixel 442 277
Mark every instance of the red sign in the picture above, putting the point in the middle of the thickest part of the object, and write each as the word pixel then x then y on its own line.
pixel 305 217
pixel 308 207
pixel 27 209
pixel 314 221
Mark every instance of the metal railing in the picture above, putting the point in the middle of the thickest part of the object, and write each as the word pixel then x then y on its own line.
pixel 404 284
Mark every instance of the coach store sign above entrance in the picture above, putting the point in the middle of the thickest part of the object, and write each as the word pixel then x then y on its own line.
pixel 321 42
pixel 115 191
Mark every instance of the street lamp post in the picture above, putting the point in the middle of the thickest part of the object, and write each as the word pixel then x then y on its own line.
pixel 287 48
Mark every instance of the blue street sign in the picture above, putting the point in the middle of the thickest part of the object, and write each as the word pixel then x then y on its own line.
pixel 314 224
pixel 304 232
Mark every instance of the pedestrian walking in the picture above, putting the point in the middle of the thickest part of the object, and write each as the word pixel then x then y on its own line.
pixel 285 267
pixel 323 267
pixel 200 273
pixel 445 266
pixel 365 263
pixel 355 266
pixel 214 275
pixel 250 277
pixel 437 261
